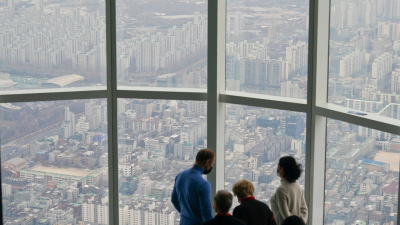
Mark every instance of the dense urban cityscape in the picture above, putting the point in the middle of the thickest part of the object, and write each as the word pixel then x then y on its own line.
pixel 54 155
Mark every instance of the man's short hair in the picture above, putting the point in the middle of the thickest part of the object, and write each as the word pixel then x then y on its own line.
pixel 224 201
pixel 293 220
pixel 204 155
pixel 243 188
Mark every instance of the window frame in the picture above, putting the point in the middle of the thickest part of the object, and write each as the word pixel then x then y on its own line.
pixel 316 106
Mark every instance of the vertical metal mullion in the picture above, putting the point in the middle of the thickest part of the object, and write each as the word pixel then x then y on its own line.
pixel 398 200
pixel 1 192
pixel 112 112
pixel 317 93
pixel 310 104
pixel 316 189
pixel 216 84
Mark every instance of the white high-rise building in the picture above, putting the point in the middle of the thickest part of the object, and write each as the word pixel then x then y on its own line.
pixel 6 190
pixel 364 105
pixel 144 187
pixel 88 212
pixel 234 24
pixel 96 118
pixel 70 116
pixel 95 114
pixel 291 90
pixel 126 168
pixel 10 4
pixel 103 214
pixel 194 132
pixel 89 108
pixel 395 81
pixel 148 54
pixel 95 213
pixel 196 108
pixel 130 214
pixel 83 124
pixel 68 127
pixel 254 50
pixel 297 145
pixel 351 63
pixel 392 8
pixel 296 55
pixel 370 13
pixel 104 112
pixel 192 79
pixel 382 66
pixel 183 150
pixel 40 7
pixel 121 105
pixel 232 85
pixel 389 29
pixel 352 15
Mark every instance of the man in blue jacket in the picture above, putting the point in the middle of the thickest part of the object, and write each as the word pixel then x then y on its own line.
pixel 192 193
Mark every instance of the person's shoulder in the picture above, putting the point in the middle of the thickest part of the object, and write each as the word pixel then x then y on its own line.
pixel 238 209
pixel 183 173
pixel 236 221
pixel 209 222
pixel 282 189
pixel 297 184
pixel 203 183
pixel 263 205
pixel 260 203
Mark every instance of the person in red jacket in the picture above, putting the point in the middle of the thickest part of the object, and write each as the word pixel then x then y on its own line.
pixel 250 210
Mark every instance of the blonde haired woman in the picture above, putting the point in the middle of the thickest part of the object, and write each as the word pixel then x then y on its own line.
pixel 250 210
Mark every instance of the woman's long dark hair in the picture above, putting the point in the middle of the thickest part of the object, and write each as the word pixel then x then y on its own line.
pixel 291 168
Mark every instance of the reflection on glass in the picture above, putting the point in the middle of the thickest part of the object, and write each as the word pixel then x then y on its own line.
pixel 362 175
pixel 267 47
pixel 157 139
pixel 52 44
pixel 54 164
pixel 255 139
pixel 162 43
pixel 364 56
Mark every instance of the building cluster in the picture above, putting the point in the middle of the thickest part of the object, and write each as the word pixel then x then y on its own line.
pixel 249 64
pixel 360 189
pixel 66 174
pixel 364 56
pixel 148 53
pixel 75 38
pixel 255 140
pixel 72 38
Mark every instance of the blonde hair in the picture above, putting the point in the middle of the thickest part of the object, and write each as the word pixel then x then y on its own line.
pixel 243 188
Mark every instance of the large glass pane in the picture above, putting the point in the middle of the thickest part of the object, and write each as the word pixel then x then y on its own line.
pixel 157 139
pixel 52 44
pixel 54 165
pixel 162 43
pixel 364 56
pixel 267 47
pixel 255 139
pixel 362 175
